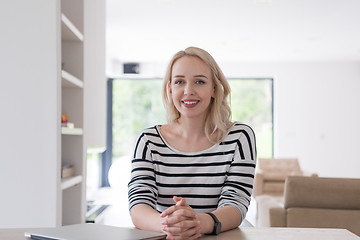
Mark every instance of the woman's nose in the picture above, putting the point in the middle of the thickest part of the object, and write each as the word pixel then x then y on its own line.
pixel 188 89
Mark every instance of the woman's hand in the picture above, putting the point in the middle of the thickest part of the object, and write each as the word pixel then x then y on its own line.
pixel 180 221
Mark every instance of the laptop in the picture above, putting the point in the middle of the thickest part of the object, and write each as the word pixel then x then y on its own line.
pixel 92 232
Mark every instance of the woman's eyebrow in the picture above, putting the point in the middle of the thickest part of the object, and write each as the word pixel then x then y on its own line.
pixel 182 76
pixel 178 76
pixel 202 76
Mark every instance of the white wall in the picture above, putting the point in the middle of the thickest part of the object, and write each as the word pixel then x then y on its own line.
pixel 94 74
pixel 316 112
pixel 29 118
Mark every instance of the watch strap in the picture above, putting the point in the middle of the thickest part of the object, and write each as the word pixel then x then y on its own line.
pixel 217 222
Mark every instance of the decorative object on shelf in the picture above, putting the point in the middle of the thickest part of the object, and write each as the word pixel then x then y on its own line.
pixel 64 118
pixel 67 170
pixel 65 122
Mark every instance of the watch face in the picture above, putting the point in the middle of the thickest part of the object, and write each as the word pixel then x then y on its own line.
pixel 218 227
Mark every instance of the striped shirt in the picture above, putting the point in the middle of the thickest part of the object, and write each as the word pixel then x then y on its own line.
pixel 219 176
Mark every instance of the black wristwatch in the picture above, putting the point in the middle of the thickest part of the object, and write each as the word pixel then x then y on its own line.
pixel 217 225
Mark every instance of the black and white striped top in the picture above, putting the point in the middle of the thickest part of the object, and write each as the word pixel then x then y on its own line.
pixel 221 175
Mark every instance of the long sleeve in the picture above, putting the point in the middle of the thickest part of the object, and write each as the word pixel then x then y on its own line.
pixel 142 186
pixel 238 184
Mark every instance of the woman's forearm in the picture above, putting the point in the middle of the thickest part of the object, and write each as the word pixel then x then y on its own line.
pixel 146 218
pixel 229 217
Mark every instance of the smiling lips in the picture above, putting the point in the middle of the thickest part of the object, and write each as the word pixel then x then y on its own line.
pixel 190 103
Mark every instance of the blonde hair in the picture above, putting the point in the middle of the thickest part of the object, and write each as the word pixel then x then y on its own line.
pixel 219 114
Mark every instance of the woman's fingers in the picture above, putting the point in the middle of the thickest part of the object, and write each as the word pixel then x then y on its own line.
pixel 183 230
pixel 177 199
pixel 180 201
pixel 182 226
pixel 178 216
pixel 180 221
pixel 179 210
pixel 169 211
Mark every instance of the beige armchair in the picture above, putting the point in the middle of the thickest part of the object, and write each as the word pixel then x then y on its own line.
pixel 271 173
pixel 319 202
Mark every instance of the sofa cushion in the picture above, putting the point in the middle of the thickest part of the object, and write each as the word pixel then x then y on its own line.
pixel 330 193
pixel 279 168
pixel 276 188
pixel 278 175
pixel 324 218
pixel 277 217
pixel 264 204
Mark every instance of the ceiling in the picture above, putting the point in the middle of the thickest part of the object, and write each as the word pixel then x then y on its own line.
pixel 234 30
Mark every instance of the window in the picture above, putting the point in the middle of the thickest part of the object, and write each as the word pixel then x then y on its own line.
pixel 137 104
pixel 252 103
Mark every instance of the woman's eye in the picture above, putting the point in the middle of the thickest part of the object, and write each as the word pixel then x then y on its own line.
pixel 177 82
pixel 200 82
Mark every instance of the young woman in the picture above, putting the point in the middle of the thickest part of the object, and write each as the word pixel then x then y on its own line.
pixel 195 174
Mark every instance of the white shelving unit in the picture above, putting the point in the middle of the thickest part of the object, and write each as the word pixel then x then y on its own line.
pixel 68 30
pixel 73 204
pixel 61 31
pixel 71 131
pixel 68 80
pixel 70 182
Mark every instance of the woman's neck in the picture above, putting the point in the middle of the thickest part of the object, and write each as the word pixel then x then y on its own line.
pixel 190 129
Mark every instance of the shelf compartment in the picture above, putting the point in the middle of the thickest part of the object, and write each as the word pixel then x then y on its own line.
pixel 70 182
pixel 69 31
pixel 69 80
pixel 71 131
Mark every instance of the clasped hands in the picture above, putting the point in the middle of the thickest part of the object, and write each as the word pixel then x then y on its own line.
pixel 180 221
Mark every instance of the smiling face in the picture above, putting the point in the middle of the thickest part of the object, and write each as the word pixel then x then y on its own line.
pixel 191 87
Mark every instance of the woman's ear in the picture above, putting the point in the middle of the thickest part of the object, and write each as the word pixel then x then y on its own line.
pixel 169 87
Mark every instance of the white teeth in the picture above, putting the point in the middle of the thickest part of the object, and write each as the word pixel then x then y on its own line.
pixel 188 102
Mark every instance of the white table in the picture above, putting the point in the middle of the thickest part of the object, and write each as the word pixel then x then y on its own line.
pixel 245 233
